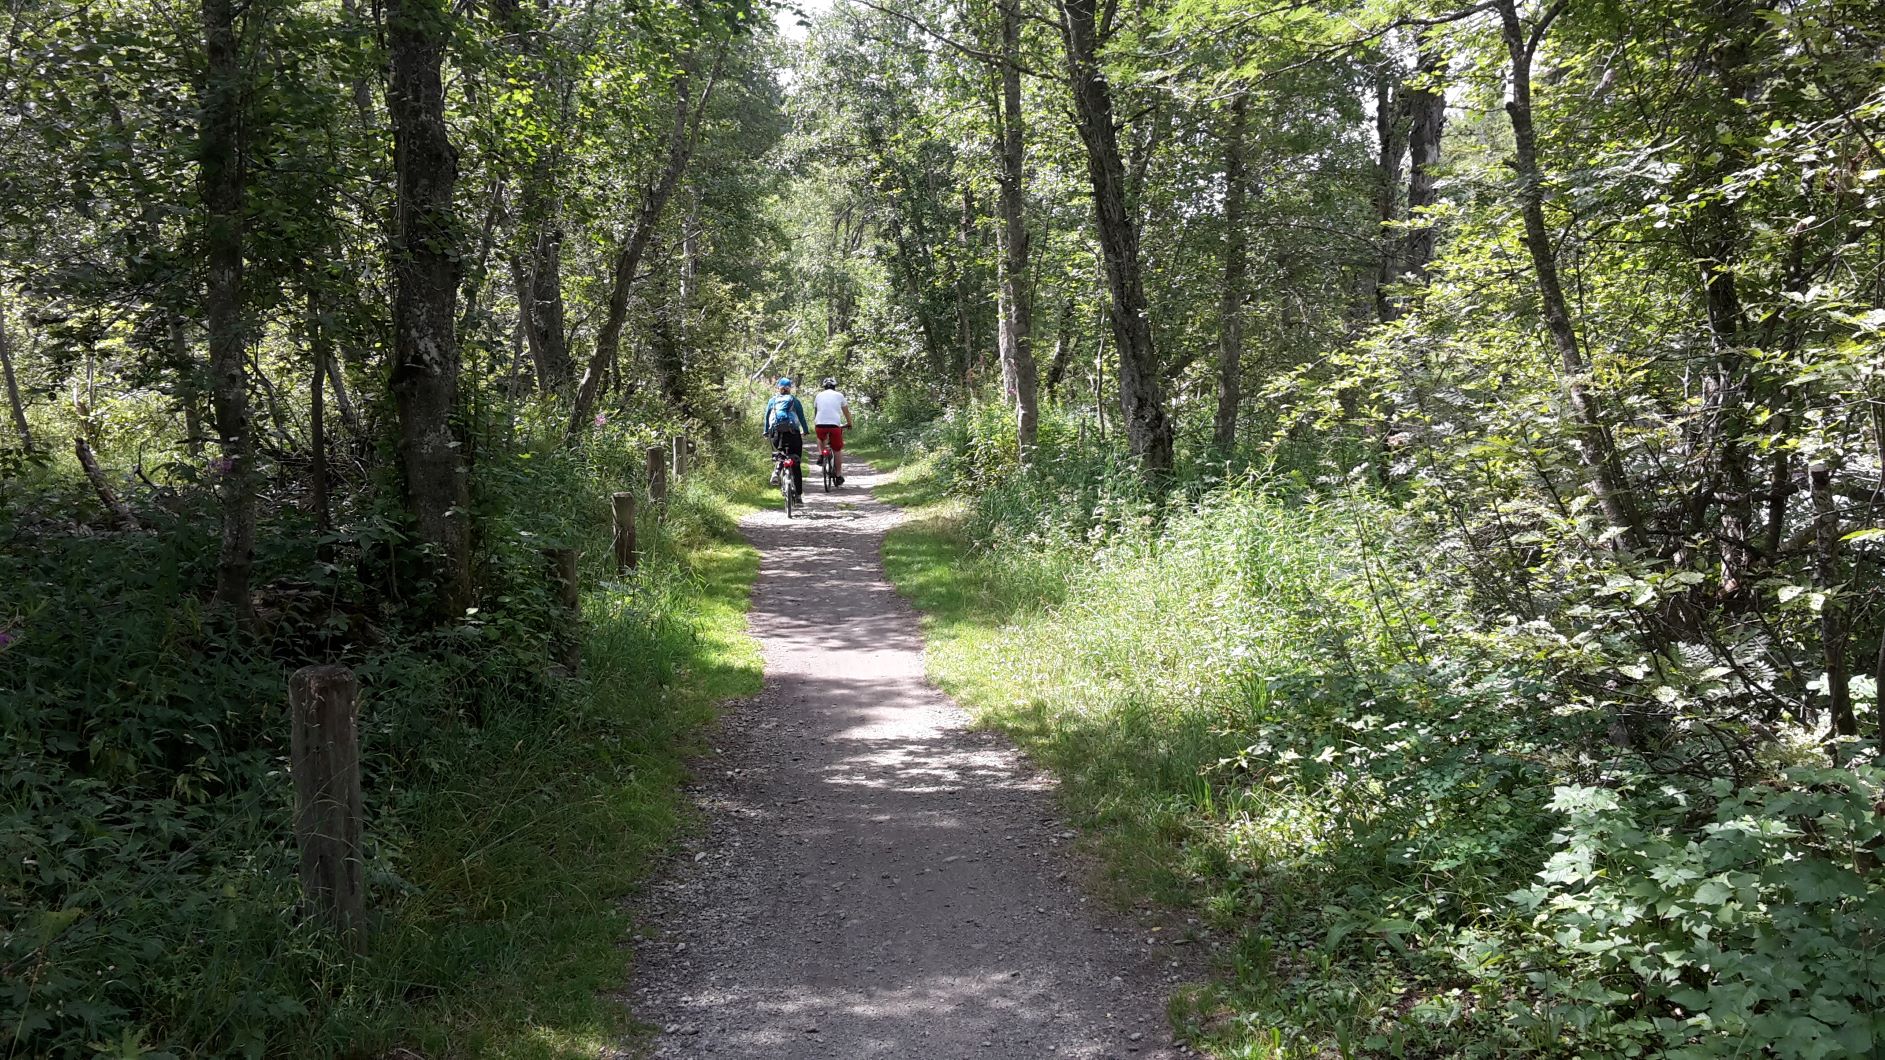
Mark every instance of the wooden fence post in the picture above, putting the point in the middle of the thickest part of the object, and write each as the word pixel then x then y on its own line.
pixel 569 594
pixel 624 507
pixel 679 444
pixel 657 477
pixel 325 745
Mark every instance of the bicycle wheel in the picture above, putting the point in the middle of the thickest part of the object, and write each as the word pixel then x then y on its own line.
pixel 824 465
pixel 785 491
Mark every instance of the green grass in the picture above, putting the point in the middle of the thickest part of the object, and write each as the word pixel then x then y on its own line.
pixel 912 483
pixel 149 900
pixel 1130 692
pixel 512 943
pixel 1374 801
pixel 974 613
pixel 977 604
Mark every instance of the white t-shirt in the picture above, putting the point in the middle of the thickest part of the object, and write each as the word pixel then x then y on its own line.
pixel 828 409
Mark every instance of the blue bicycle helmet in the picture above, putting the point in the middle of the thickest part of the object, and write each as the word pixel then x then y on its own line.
pixel 785 382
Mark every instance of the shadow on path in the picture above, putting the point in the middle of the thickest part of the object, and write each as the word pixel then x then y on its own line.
pixel 877 879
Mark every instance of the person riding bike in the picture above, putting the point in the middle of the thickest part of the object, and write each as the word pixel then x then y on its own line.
pixel 831 416
pixel 786 425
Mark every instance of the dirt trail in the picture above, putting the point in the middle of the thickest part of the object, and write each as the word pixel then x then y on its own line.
pixel 876 879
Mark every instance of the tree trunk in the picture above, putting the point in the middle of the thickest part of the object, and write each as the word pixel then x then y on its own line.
pixel 654 199
pixel 222 190
pixel 471 293
pixel 1141 388
pixel 425 287
pixel 515 378
pixel 1017 299
pixel 906 260
pixel 1391 143
pixel 14 403
pixel 1230 305
pixel 547 315
pixel 343 401
pixel 541 302
pixel 320 347
pixel 910 241
pixel 1596 449
pixel 523 335
pixel 272 401
pixel 120 512
pixel 1063 347
pixel 540 288
pixel 1833 629
pixel 965 324
pixel 1426 108
pixel 690 252
pixel 189 387
pixel 664 339
pixel 1719 233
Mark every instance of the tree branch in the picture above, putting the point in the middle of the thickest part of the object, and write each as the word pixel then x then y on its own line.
pixel 987 58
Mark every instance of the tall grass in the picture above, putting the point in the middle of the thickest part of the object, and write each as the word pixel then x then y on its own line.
pixel 1272 707
pixel 148 886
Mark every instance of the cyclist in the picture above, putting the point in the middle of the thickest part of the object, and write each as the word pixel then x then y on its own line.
pixel 831 415
pixel 786 425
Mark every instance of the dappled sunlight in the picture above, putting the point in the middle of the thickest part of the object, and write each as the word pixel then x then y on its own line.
pixel 878 880
pixel 816 1018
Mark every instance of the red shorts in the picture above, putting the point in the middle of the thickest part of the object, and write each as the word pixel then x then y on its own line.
pixel 831 436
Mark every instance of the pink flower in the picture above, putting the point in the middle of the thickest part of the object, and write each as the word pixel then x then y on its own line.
pixel 602 420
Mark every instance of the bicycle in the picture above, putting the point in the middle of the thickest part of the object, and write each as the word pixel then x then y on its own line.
pixel 782 470
pixel 824 466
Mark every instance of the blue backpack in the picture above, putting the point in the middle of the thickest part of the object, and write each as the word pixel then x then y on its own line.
pixel 779 412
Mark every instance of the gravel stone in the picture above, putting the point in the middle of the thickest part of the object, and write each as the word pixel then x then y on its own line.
pixel 849 776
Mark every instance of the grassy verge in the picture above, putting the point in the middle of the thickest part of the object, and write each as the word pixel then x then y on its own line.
pixel 977 605
pixel 511 943
pixel 1125 695
pixel 148 903
pixel 1267 711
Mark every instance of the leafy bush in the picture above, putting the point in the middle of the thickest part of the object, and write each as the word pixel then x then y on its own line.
pixel 147 878
pixel 1417 822
pixel 1758 932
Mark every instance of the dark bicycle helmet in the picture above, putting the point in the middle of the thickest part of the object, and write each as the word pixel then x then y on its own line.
pixel 829 383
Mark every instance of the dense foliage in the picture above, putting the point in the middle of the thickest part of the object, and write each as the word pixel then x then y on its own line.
pixel 1415 835
pixel 1462 421
pixel 304 310
pixel 1443 443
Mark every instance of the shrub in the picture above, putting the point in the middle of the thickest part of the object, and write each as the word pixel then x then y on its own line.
pixel 1417 817
pixel 147 877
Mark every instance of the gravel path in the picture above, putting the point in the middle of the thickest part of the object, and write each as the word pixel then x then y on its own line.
pixel 876 879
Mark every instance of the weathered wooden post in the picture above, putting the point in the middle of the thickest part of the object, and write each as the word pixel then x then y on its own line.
pixel 569 594
pixel 657 477
pixel 624 507
pixel 679 442
pixel 325 744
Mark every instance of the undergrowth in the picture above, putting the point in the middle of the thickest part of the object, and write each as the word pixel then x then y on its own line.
pixel 148 882
pixel 1269 707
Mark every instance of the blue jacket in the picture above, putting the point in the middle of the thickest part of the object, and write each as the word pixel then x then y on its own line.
pixel 785 407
